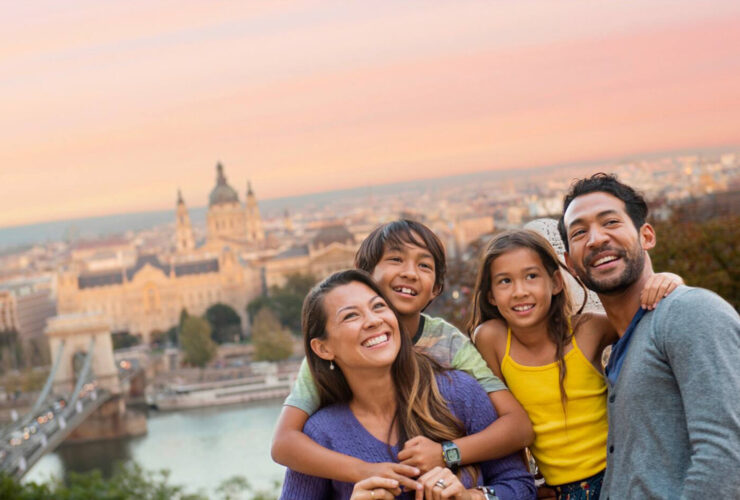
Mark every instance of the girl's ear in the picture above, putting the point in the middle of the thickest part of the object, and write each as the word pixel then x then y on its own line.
pixel 557 281
pixel 321 350
pixel 490 298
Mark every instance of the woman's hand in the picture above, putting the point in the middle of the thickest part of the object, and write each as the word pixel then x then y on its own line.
pixel 658 286
pixel 402 474
pixel 441 484
pixel 376 488
pixel 421 452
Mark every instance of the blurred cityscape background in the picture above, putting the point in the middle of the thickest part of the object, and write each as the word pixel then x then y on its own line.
pixel 161 220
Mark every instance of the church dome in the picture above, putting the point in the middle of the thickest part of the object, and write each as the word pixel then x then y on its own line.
pixel 222 193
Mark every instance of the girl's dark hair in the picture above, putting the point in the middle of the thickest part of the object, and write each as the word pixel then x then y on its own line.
pixel 394 235
pixel 420 408
pixel 561 310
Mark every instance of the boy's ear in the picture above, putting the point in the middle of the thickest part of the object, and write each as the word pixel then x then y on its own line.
pixel 435 291
pixel 321 350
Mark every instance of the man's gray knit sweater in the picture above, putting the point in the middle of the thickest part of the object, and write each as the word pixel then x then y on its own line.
pixel 674 413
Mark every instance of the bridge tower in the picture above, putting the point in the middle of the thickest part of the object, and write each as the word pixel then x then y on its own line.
pixel 88 352
pixel 81 332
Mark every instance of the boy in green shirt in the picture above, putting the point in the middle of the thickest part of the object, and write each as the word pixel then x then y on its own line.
pixel 407 260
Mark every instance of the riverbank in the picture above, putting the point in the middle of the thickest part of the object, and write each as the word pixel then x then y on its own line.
pixel 201 447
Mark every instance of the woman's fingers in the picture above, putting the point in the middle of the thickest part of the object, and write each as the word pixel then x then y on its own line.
pixel 375 488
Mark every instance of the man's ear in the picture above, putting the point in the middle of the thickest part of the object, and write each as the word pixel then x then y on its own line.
pixel 319 347
pixel 647 236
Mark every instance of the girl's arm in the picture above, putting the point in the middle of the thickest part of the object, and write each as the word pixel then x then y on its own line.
pixel 593 330
pixel 295 450
pixel 658 286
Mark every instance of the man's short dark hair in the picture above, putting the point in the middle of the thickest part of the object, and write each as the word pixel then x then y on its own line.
pixel 634 203
pixel 396 234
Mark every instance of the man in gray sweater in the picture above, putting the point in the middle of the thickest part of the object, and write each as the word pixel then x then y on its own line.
pixel 674 375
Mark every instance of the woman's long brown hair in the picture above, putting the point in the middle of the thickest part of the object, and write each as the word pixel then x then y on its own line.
pixel 558 318
pixel 420 408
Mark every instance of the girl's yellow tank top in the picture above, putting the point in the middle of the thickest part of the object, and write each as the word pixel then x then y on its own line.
pixel 569 445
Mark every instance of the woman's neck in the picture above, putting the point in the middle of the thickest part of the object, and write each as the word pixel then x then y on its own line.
pixel 373 392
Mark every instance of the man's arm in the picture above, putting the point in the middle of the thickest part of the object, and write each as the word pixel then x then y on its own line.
pixel 701 338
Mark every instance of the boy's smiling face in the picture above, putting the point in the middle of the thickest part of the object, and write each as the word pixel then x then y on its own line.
pixel 407 276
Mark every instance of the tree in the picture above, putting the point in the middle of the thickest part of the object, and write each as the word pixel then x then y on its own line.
pixel 9 350
pixel 285 301
pixel 703 252
pixel 272 342
pixel 225 323
pixel 123 340
pixel 195 340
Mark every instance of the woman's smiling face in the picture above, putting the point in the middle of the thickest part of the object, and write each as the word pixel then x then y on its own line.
pixel 361 330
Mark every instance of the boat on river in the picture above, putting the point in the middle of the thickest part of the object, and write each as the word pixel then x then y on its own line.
pixel 223 392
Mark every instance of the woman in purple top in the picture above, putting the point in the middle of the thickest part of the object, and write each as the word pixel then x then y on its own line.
pixel 377 392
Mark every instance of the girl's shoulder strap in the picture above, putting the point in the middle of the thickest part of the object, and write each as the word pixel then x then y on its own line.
pixel 508 341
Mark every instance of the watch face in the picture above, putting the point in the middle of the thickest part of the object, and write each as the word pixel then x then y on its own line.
pixel 453 455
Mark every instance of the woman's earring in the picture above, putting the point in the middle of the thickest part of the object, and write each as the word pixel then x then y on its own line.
pixel 331 365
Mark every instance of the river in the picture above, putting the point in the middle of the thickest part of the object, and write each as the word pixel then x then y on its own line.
pixel 201 448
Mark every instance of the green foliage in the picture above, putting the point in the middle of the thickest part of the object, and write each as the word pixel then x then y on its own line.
pixel 129 481
pixel 10 351
pixel 195 340
pixel 122 340
pixel 158 338
pixel 225 323
pixel 272 342
pixel 704 253
pixel 285 301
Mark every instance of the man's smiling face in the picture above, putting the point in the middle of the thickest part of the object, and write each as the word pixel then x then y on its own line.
pixel 605 249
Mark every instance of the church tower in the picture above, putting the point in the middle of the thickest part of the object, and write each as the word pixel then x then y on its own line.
pixel 184 241
pixel 225 216
pixel 255 233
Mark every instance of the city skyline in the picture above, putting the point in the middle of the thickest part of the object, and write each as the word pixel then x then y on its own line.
pixel 110 108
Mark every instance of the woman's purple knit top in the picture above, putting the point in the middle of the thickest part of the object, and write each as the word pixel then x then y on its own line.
pixel 336 428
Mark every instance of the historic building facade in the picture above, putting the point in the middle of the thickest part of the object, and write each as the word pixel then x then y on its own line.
pixel 332 249
pixel 228 221
pixel 149 293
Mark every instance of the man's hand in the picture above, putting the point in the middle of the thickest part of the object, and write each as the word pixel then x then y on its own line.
pixel 423 453
pixel 402 473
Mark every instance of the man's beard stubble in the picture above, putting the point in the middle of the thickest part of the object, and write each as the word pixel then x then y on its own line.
pixel 634 263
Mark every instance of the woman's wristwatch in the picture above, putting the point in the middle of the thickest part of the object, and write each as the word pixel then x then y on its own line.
pixel 488 492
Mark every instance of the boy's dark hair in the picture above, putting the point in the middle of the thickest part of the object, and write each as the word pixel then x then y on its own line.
pixel 396 234
pixel 634 203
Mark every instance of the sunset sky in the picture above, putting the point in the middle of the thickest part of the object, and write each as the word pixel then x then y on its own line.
pixel 109 107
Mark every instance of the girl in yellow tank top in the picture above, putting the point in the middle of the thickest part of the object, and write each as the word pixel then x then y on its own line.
pixel 521 324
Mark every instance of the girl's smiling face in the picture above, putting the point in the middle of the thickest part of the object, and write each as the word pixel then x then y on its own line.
pixel 522 289
pixel 361 330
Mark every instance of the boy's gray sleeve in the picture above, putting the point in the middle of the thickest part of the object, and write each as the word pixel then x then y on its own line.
pixel 701 338
pixel 468 359
pixel 304 395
